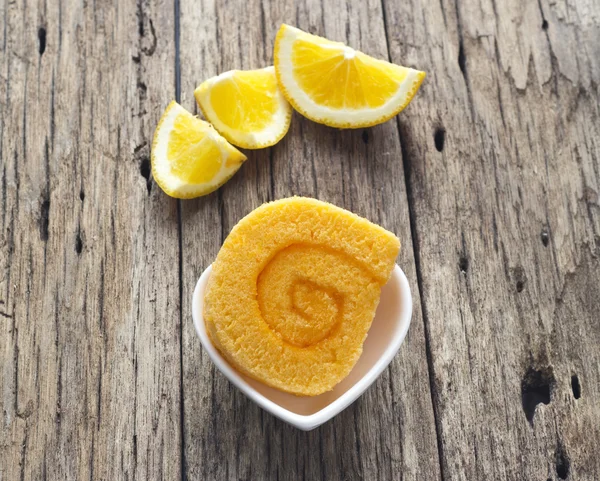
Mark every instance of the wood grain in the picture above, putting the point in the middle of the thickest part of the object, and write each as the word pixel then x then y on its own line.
pixel 389 433
pixel 89 287
pixel 491 179
pixel 506 217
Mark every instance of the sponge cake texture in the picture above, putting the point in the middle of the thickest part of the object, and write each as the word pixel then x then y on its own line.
pixel 294 290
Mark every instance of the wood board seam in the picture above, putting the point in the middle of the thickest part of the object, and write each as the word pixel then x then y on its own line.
pixel 416 256
pixel 177 81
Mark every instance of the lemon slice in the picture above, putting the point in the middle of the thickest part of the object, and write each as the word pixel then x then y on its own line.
pixel 189 157
pixel 246 107
pixel 338 86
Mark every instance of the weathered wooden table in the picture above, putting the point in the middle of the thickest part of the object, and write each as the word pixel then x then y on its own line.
pixel 491 178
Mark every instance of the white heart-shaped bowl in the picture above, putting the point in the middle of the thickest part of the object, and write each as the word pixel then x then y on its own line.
pixel 386 334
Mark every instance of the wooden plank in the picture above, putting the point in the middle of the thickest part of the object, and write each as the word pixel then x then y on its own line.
pixel 389 433
pixel 89 284
pixel 504 174
pixel 502 154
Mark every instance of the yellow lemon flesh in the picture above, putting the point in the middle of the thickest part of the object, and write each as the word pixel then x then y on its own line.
pixel 338 86
pixel 189 157
pixel 246 107
pixel 293 292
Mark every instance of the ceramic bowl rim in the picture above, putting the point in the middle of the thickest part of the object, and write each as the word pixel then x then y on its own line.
pixel 306 422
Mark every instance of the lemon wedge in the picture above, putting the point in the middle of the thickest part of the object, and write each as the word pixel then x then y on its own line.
pixel 246 107
pixel 189 157
pixel 338 86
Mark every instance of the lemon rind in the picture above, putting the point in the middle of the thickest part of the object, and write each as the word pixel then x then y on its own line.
pixel 340 118
pixel 267 137
pixel 168 182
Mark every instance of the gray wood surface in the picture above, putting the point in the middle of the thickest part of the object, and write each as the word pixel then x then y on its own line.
pixel 391 429
pixel 491 178
pixel 89 289
pixel 506 217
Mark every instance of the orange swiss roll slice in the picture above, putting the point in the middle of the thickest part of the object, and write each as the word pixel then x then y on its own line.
pixel 294 290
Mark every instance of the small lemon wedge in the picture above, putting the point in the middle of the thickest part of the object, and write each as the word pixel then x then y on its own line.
pixel 246 107
pixel 338 86
pixel 189 157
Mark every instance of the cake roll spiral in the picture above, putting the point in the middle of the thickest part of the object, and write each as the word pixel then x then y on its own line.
pixel 293 292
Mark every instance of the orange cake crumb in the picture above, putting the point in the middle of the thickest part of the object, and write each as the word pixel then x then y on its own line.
pixel 294 290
